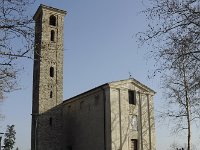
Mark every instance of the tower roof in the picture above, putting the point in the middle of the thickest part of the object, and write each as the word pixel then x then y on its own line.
pixel 48 8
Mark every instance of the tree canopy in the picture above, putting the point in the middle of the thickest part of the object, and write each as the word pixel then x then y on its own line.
pixel 9 140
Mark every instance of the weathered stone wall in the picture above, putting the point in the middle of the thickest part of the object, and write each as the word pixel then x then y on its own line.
pixel 84 121
pixel 152 121
pixel 49 129
pixel 121 131
pixel 98 119
pixel 51 55
pixel 90 126
pixel 122 114
pixel 47 88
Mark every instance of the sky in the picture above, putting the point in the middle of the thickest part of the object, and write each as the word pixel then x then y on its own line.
pixel 99 47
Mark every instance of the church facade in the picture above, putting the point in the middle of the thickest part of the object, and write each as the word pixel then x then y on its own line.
pixel 114 116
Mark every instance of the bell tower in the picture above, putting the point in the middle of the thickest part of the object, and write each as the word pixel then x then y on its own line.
pixel 48 59
pixel 48 66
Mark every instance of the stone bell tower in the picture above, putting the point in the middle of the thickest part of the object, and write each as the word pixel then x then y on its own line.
pixel 48 69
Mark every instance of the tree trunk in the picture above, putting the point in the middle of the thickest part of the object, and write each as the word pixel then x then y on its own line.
pixel 188 113
pixel 189 125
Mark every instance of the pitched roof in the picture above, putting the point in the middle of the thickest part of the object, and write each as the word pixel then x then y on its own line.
pixel 114 83
pixel 134 81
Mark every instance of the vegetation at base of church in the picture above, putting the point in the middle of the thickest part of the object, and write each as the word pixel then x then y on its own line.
pixel 16 38
pixel 9 140
pixel 175 146
pixel 174 33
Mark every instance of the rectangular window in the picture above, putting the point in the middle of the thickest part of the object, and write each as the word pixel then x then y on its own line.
pixel 134 144
pixel 132 97
pixel 50 121
pixel 81 104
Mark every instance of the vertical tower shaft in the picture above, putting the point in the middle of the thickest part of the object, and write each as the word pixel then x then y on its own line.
pixel 48 67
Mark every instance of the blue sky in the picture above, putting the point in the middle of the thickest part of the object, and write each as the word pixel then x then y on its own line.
pixel 100 46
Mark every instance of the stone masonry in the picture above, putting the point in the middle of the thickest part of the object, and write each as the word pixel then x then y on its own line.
pixel 48 72
pixel 114 116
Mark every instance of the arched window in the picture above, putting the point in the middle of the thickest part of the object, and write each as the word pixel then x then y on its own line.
pixel 52 20
pixel 52 35
pixel 51 94
pixel 51 72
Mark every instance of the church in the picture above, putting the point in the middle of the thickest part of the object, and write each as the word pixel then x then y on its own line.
pixel 117 115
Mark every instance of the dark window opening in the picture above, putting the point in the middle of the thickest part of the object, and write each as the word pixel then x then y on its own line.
pixel 134 144
pixel 132 97
pixel 52 35
pixel 51 72
pixel 51 94
pixel 50 121
pixel 81 104
pixel 69 147
pixel 52 20
pixel 96 100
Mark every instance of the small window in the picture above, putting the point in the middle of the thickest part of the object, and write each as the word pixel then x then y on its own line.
pixel 96 100
pixel 134 144
pixel 69 108
pixel 50 121
pixel 132 97
pixel 52 20
pixel 81 104
pixel 51 72
pixel 51 94
pixel 52 35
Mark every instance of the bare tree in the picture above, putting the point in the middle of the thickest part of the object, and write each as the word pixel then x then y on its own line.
pixel 174 32
pixel 169 17
pixel 16 36
pixel 181 82
pixel 182 92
